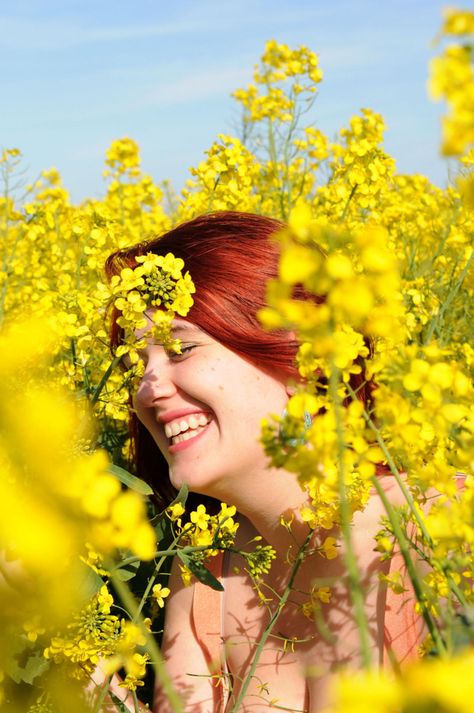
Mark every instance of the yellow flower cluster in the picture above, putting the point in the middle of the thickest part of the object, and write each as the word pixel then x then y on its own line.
pixel 157 284
pixel 452 79
pixel 55 496
pixel 424 401
pixel 203 535
pixel 431 686
pixel 386 364
pixel 359 164
pixel 224 181
pixel 280 64
pixel 97 636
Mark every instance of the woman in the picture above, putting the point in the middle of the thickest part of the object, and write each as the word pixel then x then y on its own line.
pixel 197 421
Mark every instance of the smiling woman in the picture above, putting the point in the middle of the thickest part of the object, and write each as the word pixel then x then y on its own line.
pixel 231 257
pixel 196 420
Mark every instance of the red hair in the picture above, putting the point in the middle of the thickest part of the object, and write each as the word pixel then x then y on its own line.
pixel 230 256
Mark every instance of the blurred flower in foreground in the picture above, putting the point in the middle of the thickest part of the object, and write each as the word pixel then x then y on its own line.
pixel 55 497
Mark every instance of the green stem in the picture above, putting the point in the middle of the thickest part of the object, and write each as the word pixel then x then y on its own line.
pixel 437 319
pixel 408 498
pixel 135 702
pixel 412 573
pixel 236 708
pixel 273 156
pixel 286 183
pixel 393 468
pixel 346 206
pixel 151 581
pixel 354 577
pixel 8 256
pixel 102 696
pixel 97 391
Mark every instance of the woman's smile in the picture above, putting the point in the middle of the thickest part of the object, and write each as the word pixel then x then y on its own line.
pixel 201 405
pixel 184 428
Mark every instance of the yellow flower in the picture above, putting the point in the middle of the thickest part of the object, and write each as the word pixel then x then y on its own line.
pixel 200 517
pixel 186 575
pixel 323 594
pixel 160 593
pixel 458 22
pixel 328 549
pixel 175 511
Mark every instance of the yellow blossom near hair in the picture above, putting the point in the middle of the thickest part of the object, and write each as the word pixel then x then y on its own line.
pixel 224 181
pixel 158 284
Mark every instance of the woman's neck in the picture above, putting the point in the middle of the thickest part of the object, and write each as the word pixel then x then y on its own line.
pixel 268 500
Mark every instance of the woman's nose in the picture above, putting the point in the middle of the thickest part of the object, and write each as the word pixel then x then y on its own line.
pixel 155 385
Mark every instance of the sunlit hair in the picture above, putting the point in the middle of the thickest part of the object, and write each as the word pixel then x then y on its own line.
pixel 230 256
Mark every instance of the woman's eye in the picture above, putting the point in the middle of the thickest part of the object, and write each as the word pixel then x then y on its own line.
pixel 185 349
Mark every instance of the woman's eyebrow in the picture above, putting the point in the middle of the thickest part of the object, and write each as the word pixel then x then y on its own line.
pixel 184 329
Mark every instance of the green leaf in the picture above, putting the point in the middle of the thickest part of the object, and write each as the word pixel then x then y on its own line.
pixel 26 666
pixel 131 481
pixel 200 572
pixel 162 527
pixel 126 572
pixel 161 522
pixel 182 496
pixel 462 632
pixel 119 705
pixel 90 582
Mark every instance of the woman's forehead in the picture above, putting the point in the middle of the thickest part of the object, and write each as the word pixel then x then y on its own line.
pixel 181 326
pixel 180 329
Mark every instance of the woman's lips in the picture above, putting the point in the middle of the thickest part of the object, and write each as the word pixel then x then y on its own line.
pixel 187 439
pixel 185 424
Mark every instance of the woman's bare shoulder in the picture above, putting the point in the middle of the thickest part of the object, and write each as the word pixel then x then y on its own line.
pixel 184 658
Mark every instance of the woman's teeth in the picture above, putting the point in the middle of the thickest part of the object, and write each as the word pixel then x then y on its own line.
pixel 185 428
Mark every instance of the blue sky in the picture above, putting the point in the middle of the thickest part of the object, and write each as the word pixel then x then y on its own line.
pixel 79 74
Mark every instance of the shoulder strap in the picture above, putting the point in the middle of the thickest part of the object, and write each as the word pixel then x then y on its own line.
pixel 207 624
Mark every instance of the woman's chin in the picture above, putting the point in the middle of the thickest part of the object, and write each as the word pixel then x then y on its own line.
pixel 178 479
pixel 200 486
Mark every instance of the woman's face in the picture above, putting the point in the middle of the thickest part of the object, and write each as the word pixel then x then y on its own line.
pixel 204 409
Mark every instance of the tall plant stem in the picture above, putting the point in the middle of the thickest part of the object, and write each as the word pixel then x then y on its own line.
pixel 151 581
pixel 354 578
pixel 437 319
pixel 412 573
pixel 408 497
pixel 236 708
pixel 102 695
pixel 98 390
pixel 347 204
